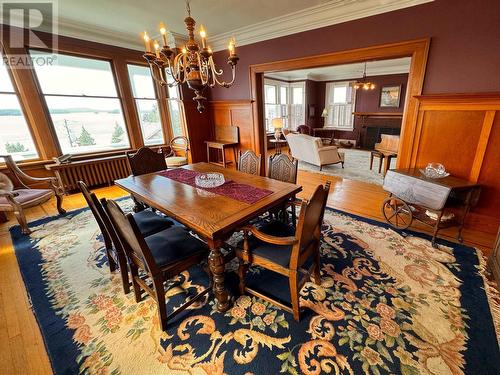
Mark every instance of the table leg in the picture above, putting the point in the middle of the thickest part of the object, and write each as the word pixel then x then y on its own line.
pixel 217 266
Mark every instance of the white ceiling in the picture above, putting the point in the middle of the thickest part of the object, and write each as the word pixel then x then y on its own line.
pixel 120 22
pixel 348 71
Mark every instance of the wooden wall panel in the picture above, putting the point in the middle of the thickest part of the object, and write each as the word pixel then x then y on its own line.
pixel 235 113
pixel 450 138
pixel 463 133
pixel 489 176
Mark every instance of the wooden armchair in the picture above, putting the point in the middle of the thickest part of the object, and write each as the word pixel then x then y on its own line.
pixel 178 152
pixel 160 257
pixel 249 162
pixel 284 249
pixel 148 222
pixel 18 199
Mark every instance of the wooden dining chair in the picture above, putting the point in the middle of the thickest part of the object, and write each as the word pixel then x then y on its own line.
pixel 249 162
pixel 19 198
pixel 159 257
pixel 284 249
pixel 283 168
pixel 148 222
pixel 145 160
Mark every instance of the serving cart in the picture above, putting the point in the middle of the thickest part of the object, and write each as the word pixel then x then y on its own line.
pixel 437 202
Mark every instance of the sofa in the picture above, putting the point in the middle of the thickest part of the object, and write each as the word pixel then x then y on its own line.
pixel 311 150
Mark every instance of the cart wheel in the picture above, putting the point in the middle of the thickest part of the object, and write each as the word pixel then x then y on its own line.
pixel 397 213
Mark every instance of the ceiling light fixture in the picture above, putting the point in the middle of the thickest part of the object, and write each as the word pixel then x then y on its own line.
pixel 364 84
pixel 193 65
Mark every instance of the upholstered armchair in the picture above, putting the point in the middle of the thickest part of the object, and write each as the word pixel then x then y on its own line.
pixel 19 199
pixel 304 129
pixel 311 150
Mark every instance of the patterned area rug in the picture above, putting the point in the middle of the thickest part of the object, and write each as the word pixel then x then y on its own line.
pixel 356 167
pixel 389 304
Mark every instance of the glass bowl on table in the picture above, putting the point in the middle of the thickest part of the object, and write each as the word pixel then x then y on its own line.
pixel 209 180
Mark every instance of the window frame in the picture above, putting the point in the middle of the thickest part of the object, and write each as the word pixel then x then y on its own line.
pixel 285 110
pixel 23 111
pixel 119 97
pixel 163 121
pixel 330 105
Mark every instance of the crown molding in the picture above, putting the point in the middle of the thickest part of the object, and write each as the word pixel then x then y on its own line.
pixel 331 13
pixel 93 33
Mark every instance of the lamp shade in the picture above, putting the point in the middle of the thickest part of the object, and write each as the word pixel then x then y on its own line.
pixel 324 113
pixel 277 123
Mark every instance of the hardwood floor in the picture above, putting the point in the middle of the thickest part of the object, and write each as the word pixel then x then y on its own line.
pixel 22 349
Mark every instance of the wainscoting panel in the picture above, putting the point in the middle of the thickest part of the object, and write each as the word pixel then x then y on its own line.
pixel 235 113
pixel 463 133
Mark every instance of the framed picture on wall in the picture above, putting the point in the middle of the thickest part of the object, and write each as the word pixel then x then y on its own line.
pixel 390 96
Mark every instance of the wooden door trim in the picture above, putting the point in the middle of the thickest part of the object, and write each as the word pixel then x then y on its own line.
pixel 417 49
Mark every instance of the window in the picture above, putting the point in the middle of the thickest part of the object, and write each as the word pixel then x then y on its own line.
pixel 15 136
pixel 340 100
pixel 83 104
pixel 146 103
pixel 284 100
pixel 297 105
pixel 175 110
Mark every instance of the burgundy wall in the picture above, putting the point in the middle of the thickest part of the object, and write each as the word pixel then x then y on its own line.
pixel 464 54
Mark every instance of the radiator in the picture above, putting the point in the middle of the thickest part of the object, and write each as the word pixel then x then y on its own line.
pixel 94 172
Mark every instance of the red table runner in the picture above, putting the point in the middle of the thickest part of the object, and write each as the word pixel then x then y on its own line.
pixel 240 192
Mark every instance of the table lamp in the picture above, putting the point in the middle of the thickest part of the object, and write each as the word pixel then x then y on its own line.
pixel 324 114
pixel 277 125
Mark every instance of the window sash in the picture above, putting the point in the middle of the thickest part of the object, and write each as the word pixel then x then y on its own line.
pixel 77 116
pixel 16 137
pixel 340 113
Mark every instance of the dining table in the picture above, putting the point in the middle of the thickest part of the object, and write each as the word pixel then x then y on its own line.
pixel 210 213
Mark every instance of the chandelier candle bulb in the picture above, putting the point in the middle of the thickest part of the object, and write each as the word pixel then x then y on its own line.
pixel 147 42
pixel 157 48
pixel 163 32
pixel 203 35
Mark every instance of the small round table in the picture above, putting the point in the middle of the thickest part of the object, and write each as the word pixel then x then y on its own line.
pixel 278 143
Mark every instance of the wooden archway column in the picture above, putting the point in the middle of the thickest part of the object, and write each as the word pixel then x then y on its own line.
pixel 416 49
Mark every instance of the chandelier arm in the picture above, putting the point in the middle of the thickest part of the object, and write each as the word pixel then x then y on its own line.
pixel 204 70
pixel 155 72
pixel 220 72
pixel 162 73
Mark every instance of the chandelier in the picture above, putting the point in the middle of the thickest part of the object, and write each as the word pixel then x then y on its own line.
pixel 364 84
pixel 193 65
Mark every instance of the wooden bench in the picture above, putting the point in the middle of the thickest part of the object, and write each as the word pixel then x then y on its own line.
pixel 225 137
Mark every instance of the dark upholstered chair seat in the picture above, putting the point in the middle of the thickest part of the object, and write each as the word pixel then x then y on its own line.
pixel 149 222
pixel 173 245
pixel 279 254
pixel 26 197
